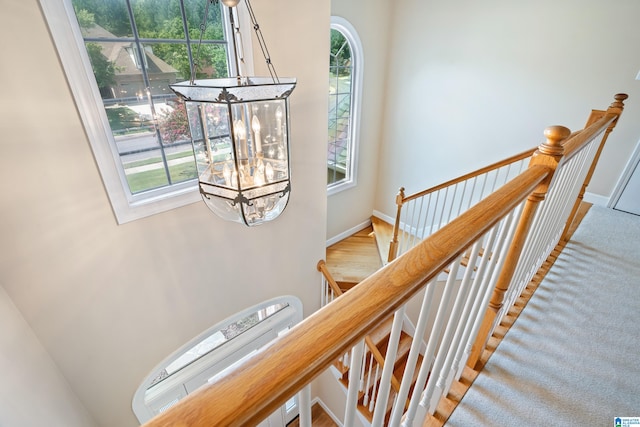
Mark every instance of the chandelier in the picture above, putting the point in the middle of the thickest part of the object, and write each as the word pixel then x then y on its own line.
pixel 240 136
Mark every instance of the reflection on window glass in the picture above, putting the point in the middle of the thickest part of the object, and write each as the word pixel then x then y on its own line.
pixel 341 75
pixel 137 48
pixel 216 339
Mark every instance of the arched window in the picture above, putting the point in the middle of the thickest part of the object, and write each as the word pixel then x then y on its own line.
pixel 345 82
pixel 215 351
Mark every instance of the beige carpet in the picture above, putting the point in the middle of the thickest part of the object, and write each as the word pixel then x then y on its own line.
pixel 573 356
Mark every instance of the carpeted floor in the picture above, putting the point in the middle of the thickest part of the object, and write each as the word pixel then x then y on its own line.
pixel 572 358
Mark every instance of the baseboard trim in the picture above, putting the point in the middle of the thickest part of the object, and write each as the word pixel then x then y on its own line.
pixel 385 217
pixel 596 199
pixel 348 233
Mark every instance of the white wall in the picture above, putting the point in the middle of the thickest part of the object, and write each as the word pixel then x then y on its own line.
pixel 108 302
pixel 33 392
pixel 473 82
pixel 352 207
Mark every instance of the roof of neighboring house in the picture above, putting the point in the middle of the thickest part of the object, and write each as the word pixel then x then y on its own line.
pixel 117 53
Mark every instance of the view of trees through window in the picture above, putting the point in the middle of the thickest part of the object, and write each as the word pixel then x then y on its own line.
pixel 340 97
pixel 137 48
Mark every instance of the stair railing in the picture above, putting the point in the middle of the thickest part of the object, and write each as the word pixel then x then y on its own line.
pixel 420 214
pixel 372 364
pixel 501 236
pixel 549 213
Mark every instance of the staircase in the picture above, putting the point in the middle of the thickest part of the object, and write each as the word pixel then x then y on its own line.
pixel 350 261
pixel 522 225
pixel 355 258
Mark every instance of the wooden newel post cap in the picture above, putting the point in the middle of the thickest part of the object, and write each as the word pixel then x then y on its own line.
pixel 554 135
pixel 619 100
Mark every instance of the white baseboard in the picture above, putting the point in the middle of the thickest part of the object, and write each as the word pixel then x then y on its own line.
pixel 596 199
pixel 348 233
pixel 362 225
pixel 385 217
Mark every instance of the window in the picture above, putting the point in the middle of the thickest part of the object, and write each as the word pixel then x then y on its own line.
pixel 345 81
pixel 213 353
pixel 120 57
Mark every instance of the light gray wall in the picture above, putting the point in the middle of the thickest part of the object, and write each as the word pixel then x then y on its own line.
pixel 473 82
pixel 109 302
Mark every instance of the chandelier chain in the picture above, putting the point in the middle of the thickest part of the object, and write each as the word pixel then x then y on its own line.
pixel 263 44
pixel 203 28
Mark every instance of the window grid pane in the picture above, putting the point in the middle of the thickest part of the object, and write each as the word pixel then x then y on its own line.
pixel 133 65
pixel 340 107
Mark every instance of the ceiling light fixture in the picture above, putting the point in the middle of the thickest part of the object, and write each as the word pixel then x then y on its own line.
pixel 240 135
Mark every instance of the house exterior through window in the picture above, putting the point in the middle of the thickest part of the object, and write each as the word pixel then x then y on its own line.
pixel 120 58
pixel 345 81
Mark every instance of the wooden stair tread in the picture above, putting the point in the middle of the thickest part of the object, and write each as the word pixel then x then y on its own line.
pixel 378 335
pixel 355 258
pixel 398 371
pixel 400 364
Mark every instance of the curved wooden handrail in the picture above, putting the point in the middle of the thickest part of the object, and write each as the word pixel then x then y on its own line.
pixel 261 384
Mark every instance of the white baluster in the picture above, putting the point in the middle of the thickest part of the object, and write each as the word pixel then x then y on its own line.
pixel 414 353
pixel 372 402
pixel 304 405
pixel 362 369
pixel 387 371
pixel 434 339
pixel 475 302
pixel 352 392
pixel 369 385
pixel 452 334
pixel 439 360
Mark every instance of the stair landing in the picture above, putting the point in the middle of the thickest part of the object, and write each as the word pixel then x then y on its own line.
pixel 355 258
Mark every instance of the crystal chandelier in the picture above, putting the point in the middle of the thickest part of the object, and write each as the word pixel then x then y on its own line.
pixel 240 135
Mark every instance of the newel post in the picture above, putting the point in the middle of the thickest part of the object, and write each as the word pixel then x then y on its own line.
pixel 548 155
pixel 393 246
pixel 614 109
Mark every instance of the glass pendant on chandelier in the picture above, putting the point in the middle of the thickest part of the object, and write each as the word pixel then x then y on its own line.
pixel 251 184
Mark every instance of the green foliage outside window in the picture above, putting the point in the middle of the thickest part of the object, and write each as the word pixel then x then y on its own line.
pixel 161 19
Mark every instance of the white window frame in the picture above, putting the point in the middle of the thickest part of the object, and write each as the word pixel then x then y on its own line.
pixel 357 56
pixel 69 43
pixel 151 398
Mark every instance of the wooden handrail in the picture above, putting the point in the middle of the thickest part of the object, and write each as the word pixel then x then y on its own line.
pixel 615 109
pixel 322 268
pixel 562 145
pixel 261 384
pixel 521 156
pixel 574 144
pixel 402 199
pixel 264 382
pixel 548 155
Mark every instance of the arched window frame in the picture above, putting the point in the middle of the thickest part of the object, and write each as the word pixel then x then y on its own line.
pixel 349 32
